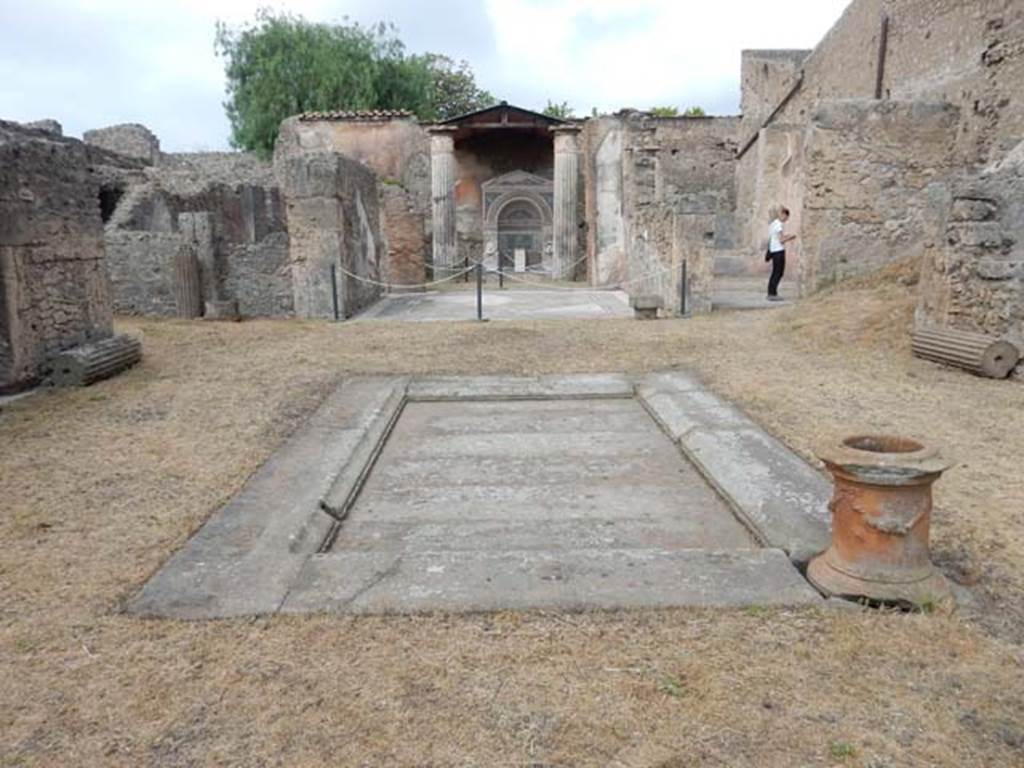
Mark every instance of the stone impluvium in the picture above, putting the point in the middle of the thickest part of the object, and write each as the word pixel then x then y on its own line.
pixel 881 517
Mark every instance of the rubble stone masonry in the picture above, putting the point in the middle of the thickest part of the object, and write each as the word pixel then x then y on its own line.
pixel 53 283
pixel 972 277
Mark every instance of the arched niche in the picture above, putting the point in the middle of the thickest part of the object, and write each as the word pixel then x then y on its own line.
pixel 517 213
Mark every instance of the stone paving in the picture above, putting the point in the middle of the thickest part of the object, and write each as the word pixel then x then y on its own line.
pixel 496 493
pixel 744 292
pixel 498 304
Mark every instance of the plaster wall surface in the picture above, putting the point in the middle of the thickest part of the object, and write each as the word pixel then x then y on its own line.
pixel 54 291
pixel 398 152
pixel 333 219
pixel 867 175
pixel 765 77
pixel 767 178
pixel 404 230
pixel 657 191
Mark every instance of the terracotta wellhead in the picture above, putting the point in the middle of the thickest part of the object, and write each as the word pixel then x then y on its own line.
pixel 881 516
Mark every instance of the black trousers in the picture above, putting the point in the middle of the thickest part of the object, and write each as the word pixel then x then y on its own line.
pixel 778 270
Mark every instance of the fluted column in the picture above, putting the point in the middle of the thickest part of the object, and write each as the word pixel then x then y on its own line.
pixel 442 193
pixel 565 238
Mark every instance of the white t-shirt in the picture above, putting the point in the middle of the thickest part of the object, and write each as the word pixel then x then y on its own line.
pixel 775 237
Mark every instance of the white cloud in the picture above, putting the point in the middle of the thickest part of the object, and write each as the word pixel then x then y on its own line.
pixel 96 62
pixel 611 54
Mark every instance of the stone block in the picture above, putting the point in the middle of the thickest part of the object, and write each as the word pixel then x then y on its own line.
pixel 601 579
pixel 779 494
pixel 999 269
pixel 223 309
pixel 986 234
pixel 970 209
pixel 48 125
pixel 129 139
pixel 646 307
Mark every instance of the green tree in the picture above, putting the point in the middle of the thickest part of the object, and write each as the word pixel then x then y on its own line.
pixel 453 88
pixel 282 65
pixel 695 112
pixel 562 110
pixel 664 111
pixel 402 82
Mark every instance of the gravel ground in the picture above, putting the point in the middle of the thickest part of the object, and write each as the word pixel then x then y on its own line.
pixel 99 486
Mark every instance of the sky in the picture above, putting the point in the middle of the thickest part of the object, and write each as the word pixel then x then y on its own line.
pixel 92 63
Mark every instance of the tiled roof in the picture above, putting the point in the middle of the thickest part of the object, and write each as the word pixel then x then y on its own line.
pixel 375 114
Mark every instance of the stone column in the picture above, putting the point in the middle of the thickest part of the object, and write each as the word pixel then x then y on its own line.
pixel 565 245
pixel 197 228
pixel 442 194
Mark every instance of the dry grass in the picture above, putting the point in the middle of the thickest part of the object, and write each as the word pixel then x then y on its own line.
pixel 99 486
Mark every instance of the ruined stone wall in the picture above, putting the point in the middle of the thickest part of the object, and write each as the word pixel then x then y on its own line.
pixel 398 151
pixel 139 264
pixel 244 253
pixel 129 139
pixel 765 78
pixel 658 190
pixel 972 275
pixel 49 125
pixel 54 292
pixel 970 55
pixel 333 219
pixel 867 172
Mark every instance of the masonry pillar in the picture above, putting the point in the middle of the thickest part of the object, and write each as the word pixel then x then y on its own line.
pixel 565 250
pixel 442 193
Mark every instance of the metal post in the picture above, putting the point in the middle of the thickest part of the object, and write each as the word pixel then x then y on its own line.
pixel 682 288
pixel 334 289
pixel 479 291
pixel 883 49
pixel 501 274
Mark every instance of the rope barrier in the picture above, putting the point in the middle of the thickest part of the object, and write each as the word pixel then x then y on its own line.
pixel 514 277
pixel 369 281
pixel 547 286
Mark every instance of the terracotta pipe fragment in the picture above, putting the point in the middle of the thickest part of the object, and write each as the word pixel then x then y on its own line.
pixel 881 516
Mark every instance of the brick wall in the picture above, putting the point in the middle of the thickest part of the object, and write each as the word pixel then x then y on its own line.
pixel 406 240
